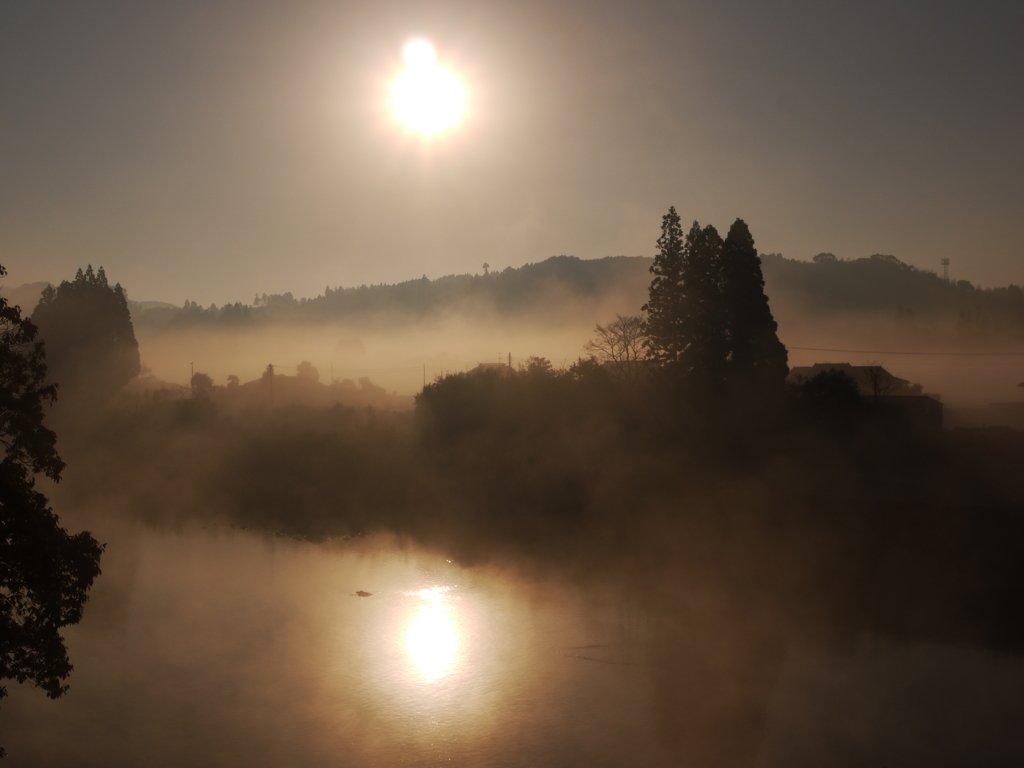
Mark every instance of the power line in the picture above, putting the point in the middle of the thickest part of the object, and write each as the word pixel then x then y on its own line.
pixel 894 352
pixel 393 370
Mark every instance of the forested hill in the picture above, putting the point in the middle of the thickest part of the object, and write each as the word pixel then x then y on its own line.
pixel 561 284
pixel 884 285
pixel 879 284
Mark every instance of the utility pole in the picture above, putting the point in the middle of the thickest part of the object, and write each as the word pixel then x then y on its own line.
pixel 192 379
pixel 424 375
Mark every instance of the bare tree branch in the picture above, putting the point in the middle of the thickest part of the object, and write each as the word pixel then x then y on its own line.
pixel 620 344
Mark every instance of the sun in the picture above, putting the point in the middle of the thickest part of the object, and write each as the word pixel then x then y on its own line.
pixel 426 97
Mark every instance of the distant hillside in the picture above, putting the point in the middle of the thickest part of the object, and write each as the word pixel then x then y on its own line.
pixel 557 286
pixel 25 296
pixel 142 306
pixel 563 286
pixel 884 285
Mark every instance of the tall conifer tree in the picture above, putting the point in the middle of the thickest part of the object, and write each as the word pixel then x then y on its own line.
pixel 758 360
pixel 686 333
pixel 705 357
pixel 666 294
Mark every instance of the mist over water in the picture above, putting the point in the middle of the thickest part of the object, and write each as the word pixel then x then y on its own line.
pixel 396 357
pixel 213 646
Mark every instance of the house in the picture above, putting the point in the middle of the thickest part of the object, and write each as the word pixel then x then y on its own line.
pixel 502 369
pixel 872 380
pixel 890 397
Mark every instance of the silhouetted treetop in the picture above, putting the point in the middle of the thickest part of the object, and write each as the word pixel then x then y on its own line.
pixel 757 359
pixel 685 326
pixel 307 370
pixel 90 341
pixel 708 317
pixel 620 345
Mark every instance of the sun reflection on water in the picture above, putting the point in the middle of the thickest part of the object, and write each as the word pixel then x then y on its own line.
pixel 432 635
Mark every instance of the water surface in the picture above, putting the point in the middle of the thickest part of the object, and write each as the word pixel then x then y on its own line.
pixel 212 646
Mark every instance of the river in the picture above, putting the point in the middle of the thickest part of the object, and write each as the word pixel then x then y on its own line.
pixel 212 646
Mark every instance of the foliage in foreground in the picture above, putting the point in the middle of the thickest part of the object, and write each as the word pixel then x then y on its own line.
pixel 45 572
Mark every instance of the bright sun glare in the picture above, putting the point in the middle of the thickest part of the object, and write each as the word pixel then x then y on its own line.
pixel 431 637
pixel 426 97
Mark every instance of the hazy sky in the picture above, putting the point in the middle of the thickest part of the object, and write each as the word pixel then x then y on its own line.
pixel 212 150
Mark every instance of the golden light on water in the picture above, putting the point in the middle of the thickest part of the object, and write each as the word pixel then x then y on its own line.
pixel 432 636
pixel 427 97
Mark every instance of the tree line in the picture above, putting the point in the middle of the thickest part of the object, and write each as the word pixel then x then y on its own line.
pixel 708 319
pixel 879 284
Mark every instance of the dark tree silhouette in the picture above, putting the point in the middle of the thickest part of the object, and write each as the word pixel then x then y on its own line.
pixel 536 366
pixel 686 331
pixel 664 306
pixel 758 360
pixel 45 573
pixel 620 345
pixel 881 382
pixel 90 341
pixel 306 370
pixel 202 385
